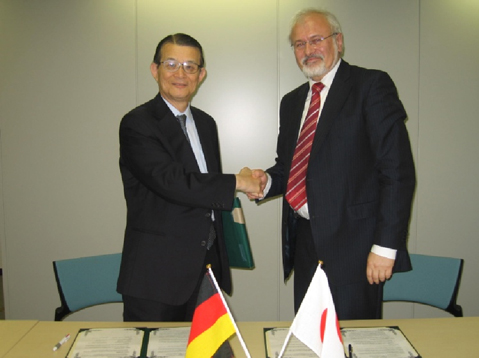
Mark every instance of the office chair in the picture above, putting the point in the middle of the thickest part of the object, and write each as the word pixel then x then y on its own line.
pixel 86 281
pixel 433 281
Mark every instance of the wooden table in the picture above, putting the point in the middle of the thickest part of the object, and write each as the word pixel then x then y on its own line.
pixel 433 337
pixel 11 332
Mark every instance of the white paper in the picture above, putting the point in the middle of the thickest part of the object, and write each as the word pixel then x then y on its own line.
pixel 275 337
pixel 366 342
pixel 378 342
pixel 107 343
pixel 168 342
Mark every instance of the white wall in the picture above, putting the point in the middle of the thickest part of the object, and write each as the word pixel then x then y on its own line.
pixel 448 191
pixel 69 70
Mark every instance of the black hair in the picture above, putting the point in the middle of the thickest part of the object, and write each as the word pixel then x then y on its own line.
pixel 182 40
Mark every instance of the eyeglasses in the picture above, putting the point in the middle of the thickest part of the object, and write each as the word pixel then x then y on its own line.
pixel 300 45
pixel 173 66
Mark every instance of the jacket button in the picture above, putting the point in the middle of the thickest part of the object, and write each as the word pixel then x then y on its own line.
pixel 203 243
pixel 208 214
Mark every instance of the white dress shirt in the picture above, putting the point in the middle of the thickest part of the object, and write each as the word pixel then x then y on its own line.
pixel 192 135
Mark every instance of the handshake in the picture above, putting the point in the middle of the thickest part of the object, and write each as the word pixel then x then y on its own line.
pixel 251 182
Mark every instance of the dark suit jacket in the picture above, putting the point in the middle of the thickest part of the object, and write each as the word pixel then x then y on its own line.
pixel 169 203
pixel 360 178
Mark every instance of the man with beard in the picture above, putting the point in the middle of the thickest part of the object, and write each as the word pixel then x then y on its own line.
pixel 347 176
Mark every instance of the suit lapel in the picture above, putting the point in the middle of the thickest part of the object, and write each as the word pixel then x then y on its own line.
pixel 172 135
pixel 207 142
pixel 338 93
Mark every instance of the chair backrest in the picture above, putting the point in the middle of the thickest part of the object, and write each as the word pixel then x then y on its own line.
pixel 86 281
pixel 433 281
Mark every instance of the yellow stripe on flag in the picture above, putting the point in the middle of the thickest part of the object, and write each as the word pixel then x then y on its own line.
pixel 207 343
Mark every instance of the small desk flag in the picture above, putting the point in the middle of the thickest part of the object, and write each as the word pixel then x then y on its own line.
pixel 212 323
pixel 316 323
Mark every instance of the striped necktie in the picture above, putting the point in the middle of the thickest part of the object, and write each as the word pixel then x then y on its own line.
pixel 296 188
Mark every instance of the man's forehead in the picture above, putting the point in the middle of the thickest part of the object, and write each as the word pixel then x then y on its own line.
pixel 171 50
pixel 311 25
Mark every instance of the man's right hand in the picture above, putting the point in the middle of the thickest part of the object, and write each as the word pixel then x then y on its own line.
pixel 261 175
pixel 249 184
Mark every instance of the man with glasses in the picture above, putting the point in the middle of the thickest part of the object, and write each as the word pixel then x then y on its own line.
pixel 345 168
pixel 174 190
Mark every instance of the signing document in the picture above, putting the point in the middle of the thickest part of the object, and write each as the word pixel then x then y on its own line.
pixel 378 342
pixel 365 342
pixel 130 342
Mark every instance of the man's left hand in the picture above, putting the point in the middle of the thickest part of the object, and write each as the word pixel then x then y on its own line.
pixel 379 268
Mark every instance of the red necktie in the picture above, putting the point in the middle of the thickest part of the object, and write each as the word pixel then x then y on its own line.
pixel 296 188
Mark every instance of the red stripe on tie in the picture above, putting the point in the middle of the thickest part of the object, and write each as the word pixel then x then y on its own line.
pixel 296 188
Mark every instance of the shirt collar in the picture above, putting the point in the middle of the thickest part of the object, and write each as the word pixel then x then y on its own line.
pixel 177 112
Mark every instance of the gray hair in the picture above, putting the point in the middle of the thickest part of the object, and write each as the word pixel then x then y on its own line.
pixel 332 20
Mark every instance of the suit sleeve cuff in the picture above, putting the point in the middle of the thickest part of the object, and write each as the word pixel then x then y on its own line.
pixel 267 187
pixel 384 252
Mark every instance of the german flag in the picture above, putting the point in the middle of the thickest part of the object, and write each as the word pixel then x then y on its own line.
pixel 211 325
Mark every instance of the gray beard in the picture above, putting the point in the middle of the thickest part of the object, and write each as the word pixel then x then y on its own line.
pixel 315 71
pixel 320 69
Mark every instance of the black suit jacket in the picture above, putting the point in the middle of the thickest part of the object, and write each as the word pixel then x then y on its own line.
pixel 169 203
pixel 360 178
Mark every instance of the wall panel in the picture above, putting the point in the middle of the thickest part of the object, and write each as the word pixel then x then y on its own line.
pixel 448 202
pixel 67 76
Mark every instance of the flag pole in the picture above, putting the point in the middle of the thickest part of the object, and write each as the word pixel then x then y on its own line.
pixel 243 344
pixel 285 343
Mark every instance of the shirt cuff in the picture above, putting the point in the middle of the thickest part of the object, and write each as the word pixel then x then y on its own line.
pixel 384 252
pixel 267 187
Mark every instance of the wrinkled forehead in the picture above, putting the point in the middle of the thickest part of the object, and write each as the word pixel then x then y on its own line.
pixel 309 26
pixel 183 53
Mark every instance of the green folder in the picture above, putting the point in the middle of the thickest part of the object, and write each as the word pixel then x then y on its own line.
pixel 236 237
